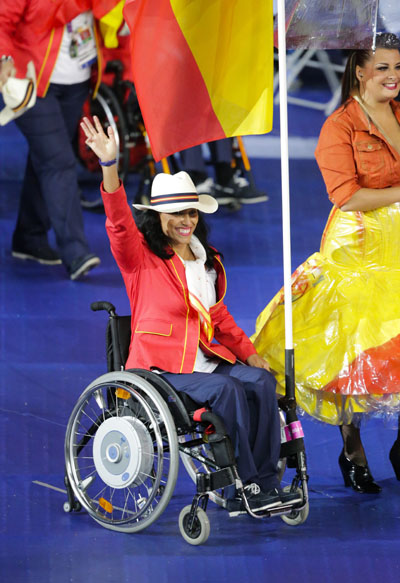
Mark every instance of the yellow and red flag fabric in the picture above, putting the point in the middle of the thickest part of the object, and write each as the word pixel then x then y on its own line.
pixel 203 69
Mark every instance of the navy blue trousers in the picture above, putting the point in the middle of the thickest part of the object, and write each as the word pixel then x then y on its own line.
pixel 245 399
pixel 50 194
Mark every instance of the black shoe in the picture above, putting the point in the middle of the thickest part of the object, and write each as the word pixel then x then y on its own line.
pixel 394 457
pixel 239 189
pixel 358 477
pixel 256 498
pixel 224 194
pixel 82 265
pixel 43 254
pixel 249 195
pixel 288 497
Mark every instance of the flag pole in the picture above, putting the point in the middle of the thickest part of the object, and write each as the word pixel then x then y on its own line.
pixel 287 267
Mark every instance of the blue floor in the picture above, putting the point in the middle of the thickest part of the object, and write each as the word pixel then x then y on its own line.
pixel 52 346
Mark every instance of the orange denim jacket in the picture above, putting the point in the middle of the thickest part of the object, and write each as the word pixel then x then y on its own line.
pixel 352 153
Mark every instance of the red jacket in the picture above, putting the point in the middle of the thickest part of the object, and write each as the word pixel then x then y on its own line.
pixel 165 327
pixel 32 30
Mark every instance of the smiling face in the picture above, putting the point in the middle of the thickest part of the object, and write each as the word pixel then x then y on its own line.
pixel 379 78
pixel 179 227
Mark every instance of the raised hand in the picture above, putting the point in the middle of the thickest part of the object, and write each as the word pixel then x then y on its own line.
pixel 103 145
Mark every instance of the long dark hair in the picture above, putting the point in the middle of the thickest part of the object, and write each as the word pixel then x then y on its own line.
pixel 149 224
pixel 358 58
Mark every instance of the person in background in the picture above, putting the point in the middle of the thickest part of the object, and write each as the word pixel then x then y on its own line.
pixel 227 183
pixel 346 312
pixel 60 39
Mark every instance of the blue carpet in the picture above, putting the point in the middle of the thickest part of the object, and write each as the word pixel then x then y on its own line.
pixel 52 346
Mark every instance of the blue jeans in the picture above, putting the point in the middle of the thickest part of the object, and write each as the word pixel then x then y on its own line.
pixel 50 193
pixel 245 399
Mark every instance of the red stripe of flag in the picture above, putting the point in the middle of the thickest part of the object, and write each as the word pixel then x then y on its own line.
pixel 157 47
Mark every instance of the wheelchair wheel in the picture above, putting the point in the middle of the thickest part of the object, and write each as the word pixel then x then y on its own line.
pixel 121 452
pixel 199 531
pixel 107 108
pixel 296 517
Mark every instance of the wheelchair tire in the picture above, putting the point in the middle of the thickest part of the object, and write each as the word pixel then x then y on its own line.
pixel 296 517
pixel 200 530
pixel 109 111
pixel 121 452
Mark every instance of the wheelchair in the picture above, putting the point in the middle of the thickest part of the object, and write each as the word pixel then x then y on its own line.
pixel 127 433
pixel 116 105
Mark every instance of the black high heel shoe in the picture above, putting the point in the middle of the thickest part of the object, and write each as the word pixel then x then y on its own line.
pixel 358 477
pixel 394 457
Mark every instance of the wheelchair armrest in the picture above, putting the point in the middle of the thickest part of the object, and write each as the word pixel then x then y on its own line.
pixel 116 67
pixel 203 415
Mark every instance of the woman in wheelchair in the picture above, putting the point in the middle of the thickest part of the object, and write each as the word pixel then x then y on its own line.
pixel 176 285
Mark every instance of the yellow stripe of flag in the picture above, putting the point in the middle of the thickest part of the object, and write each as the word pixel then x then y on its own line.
pixel 234 52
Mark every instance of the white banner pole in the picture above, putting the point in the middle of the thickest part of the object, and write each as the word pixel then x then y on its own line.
pixel 287 265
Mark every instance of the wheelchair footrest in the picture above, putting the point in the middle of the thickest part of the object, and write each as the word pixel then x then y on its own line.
pixel 215 480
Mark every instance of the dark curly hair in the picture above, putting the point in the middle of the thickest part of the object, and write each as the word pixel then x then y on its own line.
pixel 149 224
pixel 359 57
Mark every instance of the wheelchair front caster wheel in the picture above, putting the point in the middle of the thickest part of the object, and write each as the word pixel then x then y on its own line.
pixel 199 531
pixel 296 517
pixel 75 507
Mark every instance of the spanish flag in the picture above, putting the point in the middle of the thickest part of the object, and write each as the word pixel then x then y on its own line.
pixel 203 69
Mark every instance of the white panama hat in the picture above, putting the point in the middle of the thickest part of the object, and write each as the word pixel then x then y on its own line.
pixel 18 95
pixel 171 193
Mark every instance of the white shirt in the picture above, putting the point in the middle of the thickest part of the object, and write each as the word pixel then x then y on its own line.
pixel 68 70
pixel 201 282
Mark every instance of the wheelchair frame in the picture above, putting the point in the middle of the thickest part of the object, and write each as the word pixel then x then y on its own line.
pixel 138 426
pixel 116 105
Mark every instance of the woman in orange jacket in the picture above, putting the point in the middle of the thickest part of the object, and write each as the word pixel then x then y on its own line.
pixel 176 286
pixel 346 313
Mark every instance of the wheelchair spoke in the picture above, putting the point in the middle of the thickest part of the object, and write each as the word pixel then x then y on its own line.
pixel 96 496
pixel 87 468
pixel 97 423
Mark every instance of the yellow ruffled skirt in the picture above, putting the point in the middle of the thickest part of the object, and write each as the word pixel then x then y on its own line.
pixel 346 320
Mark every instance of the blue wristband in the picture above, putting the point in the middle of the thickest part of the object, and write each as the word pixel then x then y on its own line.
pixel 109 163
